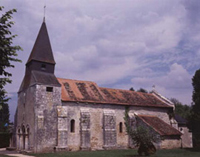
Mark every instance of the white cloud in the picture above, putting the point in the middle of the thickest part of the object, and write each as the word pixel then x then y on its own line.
pixel 176 83
pixel 112 41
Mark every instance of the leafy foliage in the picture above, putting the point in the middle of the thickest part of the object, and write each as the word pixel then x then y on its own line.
pixel 142 90
pixel 4 136
pixel 196 91
pixel 183 111
pixel 195 117
pixel 8 51
pixel 132 89
pixel 143 137
pixel 4 115
pixel 7 57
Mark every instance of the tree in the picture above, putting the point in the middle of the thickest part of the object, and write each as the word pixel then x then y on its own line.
pixel 143 137
pixel 8 54
pixel 183 111
pixel 195 118
pixel 132 89
pixel 142 90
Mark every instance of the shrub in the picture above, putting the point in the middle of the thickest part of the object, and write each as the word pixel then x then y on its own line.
pixel 141 136
pixel 5 137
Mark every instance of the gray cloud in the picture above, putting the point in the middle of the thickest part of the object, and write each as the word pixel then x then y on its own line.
pixel 116 43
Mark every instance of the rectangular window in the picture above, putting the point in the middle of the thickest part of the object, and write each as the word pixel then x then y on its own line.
pixel 43 66
pixel 49 89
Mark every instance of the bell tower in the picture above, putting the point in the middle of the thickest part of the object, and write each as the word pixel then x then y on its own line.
pixel 38 98
pixel 41 58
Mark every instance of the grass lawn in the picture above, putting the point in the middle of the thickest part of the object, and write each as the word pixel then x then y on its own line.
pixel 124 153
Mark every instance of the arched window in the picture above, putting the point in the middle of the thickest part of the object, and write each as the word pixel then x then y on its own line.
pixel 72 125
pixel 120 127
pixel 27 143
pixel 28 130
pixel 23 130
pixel 19 131
pixel 23 136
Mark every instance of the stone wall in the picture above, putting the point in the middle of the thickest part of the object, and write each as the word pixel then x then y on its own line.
pixel 85 129
pixel 109 129
pixel 62 127
pixel 186 138
pixel 24 121
pixel 46 117
pixel 100 129
pixel 170 142
pixel 74 126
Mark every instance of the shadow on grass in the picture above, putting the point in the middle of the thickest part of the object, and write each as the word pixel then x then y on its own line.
pixel 197 149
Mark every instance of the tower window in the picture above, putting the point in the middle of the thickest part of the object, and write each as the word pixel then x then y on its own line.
pixel 49 89
pixel 72 125
pixel 120 127
pixel 43 66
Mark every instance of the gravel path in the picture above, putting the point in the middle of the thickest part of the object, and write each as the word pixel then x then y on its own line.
pixel 12 153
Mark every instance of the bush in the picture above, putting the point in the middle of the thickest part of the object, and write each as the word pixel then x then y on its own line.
pixel 5 137
pixel 141 136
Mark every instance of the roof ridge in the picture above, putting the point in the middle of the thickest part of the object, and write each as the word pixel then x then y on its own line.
pixel 76 80
pixel 146 115
pixel 126 90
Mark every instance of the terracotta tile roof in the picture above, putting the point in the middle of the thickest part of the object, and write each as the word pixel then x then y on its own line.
pixel 86 91
pixel 159 125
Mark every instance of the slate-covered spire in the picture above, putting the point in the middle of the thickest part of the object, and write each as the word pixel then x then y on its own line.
pixel 41 64
pixel 42 51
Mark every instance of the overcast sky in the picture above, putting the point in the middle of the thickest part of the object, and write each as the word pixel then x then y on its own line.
pixel 115 43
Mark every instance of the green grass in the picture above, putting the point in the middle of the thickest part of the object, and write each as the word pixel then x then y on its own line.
pixel 177 153
pixel 124 153
pixel 1 155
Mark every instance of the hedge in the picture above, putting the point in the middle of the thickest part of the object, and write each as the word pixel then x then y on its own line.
pixel 4 139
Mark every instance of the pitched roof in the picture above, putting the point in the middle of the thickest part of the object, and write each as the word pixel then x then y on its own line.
pixel 45 78
pixel 180 120
pixel 86 91
pixel 159 125
pixel 38 77
pixel 42 48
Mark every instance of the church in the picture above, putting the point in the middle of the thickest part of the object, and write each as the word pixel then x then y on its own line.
pixel 56 114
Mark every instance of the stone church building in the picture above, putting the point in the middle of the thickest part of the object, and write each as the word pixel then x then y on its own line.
pixel 63 114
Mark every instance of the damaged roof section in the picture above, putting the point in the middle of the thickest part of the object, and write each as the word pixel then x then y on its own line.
pixel 74 90
pixel 159 125
pixel 87 91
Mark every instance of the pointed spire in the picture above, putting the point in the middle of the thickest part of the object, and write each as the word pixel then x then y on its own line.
pixel 42 48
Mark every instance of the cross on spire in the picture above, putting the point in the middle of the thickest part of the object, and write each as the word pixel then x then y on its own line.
pixel 44 11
